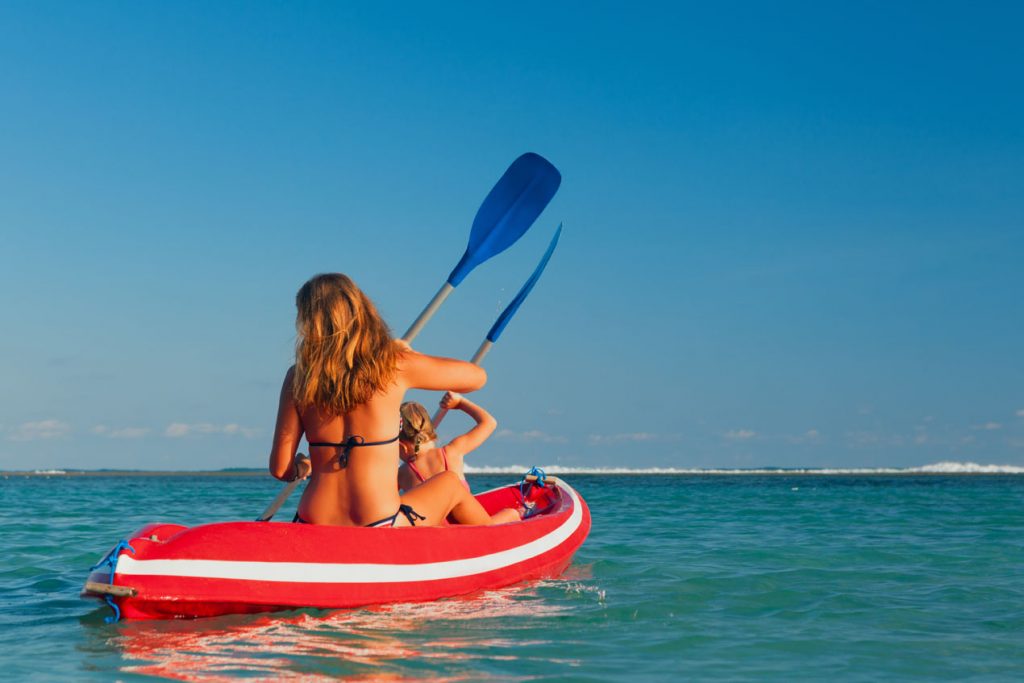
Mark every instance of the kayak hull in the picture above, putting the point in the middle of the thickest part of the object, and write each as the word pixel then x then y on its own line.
pixel 170 571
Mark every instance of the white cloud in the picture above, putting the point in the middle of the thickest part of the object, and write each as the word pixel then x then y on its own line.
pixel 988 426
pixel 810 436
pixel 598 439
pixel 740 434
pixel 1020 413
pixel 532 435
pixel 121 433
pixel 44 429
pixel 177 430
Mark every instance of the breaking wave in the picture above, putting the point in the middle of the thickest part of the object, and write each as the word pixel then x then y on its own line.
pixel 944 467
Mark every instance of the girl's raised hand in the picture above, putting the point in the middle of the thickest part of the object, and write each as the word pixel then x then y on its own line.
pixel 451 400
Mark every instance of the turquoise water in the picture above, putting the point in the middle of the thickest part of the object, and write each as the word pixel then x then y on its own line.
pixel 788 578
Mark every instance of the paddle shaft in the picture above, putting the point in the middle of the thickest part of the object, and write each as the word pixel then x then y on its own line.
pixel 428 312
pixel 274 506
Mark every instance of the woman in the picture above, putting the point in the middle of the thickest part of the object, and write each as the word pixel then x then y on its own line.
pixel 344 393
pixel 421 457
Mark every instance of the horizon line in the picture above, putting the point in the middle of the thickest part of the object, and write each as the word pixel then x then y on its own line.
pixel 944 467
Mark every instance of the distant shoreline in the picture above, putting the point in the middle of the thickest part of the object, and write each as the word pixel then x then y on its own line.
pixel 135 473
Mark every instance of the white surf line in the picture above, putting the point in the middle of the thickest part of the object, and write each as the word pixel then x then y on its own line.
pixel 340 573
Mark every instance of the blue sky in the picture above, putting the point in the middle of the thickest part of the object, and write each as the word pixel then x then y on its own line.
pixel 793 231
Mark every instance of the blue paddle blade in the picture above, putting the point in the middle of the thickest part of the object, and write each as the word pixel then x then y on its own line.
pixel 508 211
pixel 510 310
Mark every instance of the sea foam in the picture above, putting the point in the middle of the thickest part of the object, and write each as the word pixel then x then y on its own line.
pixel 944 467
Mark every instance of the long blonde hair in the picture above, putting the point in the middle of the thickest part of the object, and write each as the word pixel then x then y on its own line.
pixel 344 352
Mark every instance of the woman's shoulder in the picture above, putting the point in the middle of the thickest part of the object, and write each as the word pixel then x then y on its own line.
pixel 286 385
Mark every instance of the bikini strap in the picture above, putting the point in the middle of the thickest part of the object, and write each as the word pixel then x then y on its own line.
pixel 416 472
pixel 410 514
pixel 346 446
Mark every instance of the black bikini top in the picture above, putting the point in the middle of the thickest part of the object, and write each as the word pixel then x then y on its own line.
pixel 346 446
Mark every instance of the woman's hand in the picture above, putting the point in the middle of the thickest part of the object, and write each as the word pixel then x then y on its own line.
pixel 451 400
pixel 303 467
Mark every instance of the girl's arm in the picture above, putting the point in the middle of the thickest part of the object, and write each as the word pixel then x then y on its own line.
pixel 471 440
pixel 287 433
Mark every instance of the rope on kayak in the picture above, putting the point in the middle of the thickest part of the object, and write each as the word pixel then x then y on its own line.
pixel 524 485
pixel 111 559
pixel 530 508
pixel 116 616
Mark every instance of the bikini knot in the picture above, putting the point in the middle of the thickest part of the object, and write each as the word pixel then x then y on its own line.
pixel 410 514
pixel 351 442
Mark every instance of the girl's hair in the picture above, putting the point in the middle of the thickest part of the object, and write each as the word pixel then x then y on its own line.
pixel 416 425
pixel 344 353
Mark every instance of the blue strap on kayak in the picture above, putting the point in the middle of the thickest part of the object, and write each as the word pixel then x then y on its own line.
pixel 116 616
pixel 524 485
pixel 530 508
pixel 111 559
pixel 539 473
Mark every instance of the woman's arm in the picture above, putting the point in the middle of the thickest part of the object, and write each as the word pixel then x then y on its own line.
pixel 420 371
pixel 287 433
pixel 471 440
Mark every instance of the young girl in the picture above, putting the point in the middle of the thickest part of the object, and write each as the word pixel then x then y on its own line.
pixel 420 455
pixel 344 393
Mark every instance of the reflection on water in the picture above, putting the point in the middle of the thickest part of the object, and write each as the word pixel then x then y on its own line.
pixel 448 640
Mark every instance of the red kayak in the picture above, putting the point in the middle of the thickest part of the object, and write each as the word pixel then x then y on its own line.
pixel 166 571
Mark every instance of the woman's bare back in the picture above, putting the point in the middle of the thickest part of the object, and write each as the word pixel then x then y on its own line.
pixel 362 490
pixel 346 493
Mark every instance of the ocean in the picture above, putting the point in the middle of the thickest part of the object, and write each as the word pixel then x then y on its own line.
pixel 754 576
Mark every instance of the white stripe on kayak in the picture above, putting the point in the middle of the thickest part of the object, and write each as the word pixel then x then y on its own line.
pixel 338 573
